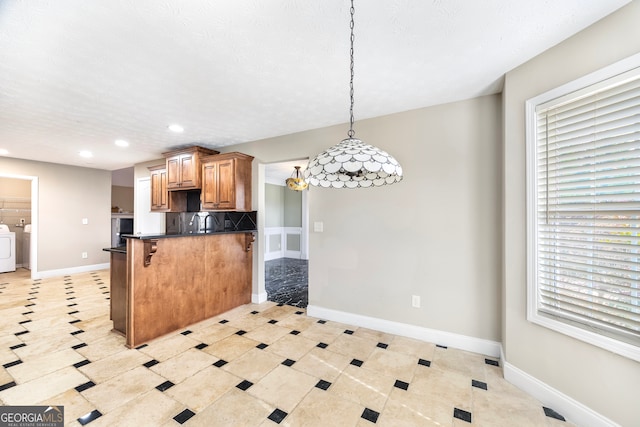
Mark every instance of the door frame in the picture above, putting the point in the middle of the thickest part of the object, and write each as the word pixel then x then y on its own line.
pixel 33 249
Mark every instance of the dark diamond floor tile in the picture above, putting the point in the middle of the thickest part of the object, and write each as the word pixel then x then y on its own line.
pixel 356 362
pixel 7 385
pixel 220 363
pixel 255 312
pixel 479 384
pixel 441 346
pixel 273 322
pixel 348 332
pixel 81 363
pixel 187 332
pixel 244 385
pixel 322 345
pixel 85 386
pixel 370 415
pixel 424 362
pixel 299 312
pixel 223 321
pixel 322 322
pixel 10 364
pixel 461 414
pixel 262 346
pixel 382 345
pixel 277 416
pixel 86 419
pixel 184 416
pixel 202 345
pixel 75 321
pixel 77 332
pixel 150 363
pixel 77 346
pixel 241 332
pixel 288 362
pixel 491 362
pixel 141 346
pixel 401 384
pixel 294 332
pixel 552 414
pixel 323 385
pixel 13 347
pixel 165 386
pixel 24 321
pixel 21 333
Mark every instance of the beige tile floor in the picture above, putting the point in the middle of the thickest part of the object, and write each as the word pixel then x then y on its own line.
pixel 256 365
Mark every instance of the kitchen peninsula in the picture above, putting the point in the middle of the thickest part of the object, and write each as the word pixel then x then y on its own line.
pixel 162 283
pixel 202 266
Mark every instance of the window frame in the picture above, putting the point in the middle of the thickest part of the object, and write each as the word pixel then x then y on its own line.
pixel 533 314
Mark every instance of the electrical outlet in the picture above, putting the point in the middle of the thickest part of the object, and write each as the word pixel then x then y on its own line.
pixel 415 301
pixel 85 255
pixel 85 221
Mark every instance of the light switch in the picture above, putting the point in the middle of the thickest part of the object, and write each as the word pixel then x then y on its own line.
pixel 318 226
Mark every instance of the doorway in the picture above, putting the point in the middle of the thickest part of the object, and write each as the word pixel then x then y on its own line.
pixel 20 212
pixel 286 231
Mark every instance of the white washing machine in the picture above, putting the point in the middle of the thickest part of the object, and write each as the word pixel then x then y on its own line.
pixel 7 249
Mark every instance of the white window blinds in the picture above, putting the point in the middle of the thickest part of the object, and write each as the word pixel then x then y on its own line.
pixel 588 208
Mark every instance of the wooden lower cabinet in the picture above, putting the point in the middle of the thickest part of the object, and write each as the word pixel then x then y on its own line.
pixel 118 291
pixel 187 279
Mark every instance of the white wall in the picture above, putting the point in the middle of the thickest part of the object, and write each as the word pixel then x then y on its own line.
pixel 604 382
pixel 436 234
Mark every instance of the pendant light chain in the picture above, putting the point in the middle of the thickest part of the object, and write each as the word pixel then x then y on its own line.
pixel 352 163
pixel 351 132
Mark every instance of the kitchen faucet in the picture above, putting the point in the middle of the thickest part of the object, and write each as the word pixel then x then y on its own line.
pixel 205 222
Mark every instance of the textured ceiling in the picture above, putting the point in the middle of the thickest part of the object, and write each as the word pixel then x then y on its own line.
pixel 78 74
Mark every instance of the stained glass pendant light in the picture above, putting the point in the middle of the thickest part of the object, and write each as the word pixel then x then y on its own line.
pixel 353 163
pixel 296 183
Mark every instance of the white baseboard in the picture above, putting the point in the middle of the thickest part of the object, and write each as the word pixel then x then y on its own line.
pixel 66 271
pixel 259 298
pixel 574 411
pixel 463 342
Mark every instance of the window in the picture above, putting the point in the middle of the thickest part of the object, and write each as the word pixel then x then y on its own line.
pixel 583 208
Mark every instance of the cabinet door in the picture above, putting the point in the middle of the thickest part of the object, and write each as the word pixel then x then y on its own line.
pixel 159 190
pixel 173 172
pixel 208 196
pixel 188 173
pixel 226 184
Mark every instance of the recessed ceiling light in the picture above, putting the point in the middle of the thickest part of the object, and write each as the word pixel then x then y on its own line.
pixel 3 152
pixel 121 143
pixel 85 153
pixel 176 128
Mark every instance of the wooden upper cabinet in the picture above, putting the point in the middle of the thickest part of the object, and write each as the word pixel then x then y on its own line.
pixel 184 168
pixel 226 182
pixel 161 199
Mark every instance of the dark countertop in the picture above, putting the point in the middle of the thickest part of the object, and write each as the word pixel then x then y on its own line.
pixel 119 250
pixel 171 235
